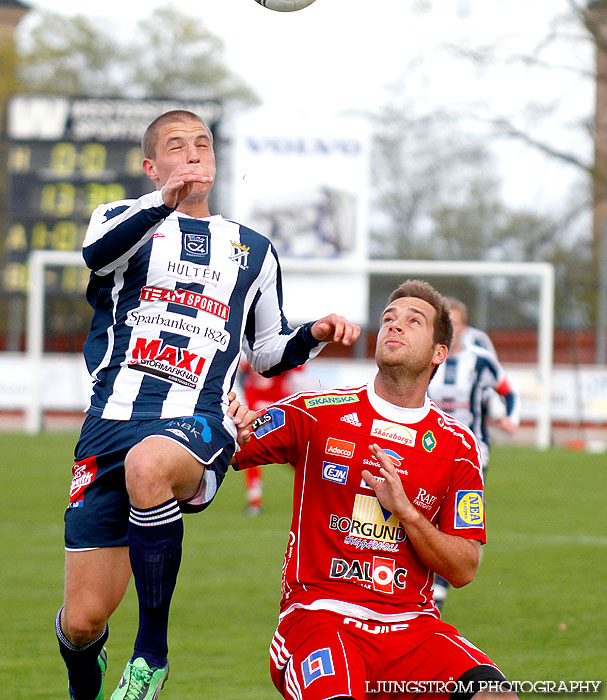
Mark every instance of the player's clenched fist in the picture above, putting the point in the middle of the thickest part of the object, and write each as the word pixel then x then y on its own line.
pixel 335 329
pixel 182 182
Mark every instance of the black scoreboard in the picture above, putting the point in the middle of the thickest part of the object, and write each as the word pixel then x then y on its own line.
pixel 66 156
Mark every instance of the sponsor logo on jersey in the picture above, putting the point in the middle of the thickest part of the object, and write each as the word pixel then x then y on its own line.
pixel 395 458
pixel 330 400
pixel 374 628
pixel 168 363
pixel 180 324
pixel 424 499
pixel 84 473
pixel 352 419
pixel 196 426
pixel 343 448
pixel 269 421
pixel 201 274
pixel 338 473
pixel 240 255
pixel 429 441
pixel 370 527
pixel 394 431
pixel 371 462
pixel 381 574
pixel 193 300
pixel 319 663
pixel 469 509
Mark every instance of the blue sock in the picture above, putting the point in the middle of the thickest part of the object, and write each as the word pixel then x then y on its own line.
pixel 83 672
pixel 155 537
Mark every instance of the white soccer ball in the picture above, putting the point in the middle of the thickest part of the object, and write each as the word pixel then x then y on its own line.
pixel 285 5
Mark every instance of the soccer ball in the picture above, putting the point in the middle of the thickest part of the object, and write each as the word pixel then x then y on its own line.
pixel 285 5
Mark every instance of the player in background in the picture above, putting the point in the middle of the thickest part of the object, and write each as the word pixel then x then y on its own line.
pixel 387 491
pixel 177 293
pixel 461 388
pixel 259 392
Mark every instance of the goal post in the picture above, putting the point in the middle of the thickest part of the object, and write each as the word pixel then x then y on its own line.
pixel 39 260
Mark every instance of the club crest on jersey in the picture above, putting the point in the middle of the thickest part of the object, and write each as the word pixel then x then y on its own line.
pixel 394 431
pixel 337 473
pixel 195 245
pixel 269 421
pixel 319 663
pixel 469 509
pixel 240 255
pixel 429 441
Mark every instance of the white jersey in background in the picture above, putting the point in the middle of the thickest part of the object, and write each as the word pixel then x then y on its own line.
pixel 459 388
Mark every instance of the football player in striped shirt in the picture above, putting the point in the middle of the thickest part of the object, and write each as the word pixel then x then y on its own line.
pixel 387 490
pixel 176 293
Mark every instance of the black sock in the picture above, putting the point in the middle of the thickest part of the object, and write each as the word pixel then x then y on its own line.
pixel 155 537
pixel 83 672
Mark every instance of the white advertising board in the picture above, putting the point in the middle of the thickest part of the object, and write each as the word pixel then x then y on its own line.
pixel 305 184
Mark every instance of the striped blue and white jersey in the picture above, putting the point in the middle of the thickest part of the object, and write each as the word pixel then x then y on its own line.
pixel 175 300
pixel 460 388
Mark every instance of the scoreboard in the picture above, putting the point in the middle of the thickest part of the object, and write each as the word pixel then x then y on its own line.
pixel 66 156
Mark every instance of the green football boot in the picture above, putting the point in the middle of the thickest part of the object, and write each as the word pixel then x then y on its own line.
pixel 140 682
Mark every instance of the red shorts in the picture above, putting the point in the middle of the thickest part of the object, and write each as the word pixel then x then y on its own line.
pixel 318 655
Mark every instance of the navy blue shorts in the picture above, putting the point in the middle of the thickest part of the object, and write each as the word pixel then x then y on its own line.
pixel 98 512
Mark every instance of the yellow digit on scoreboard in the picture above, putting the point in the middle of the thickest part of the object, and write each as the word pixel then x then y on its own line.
pixel 58 199
pixel 93 160
pixel 63 159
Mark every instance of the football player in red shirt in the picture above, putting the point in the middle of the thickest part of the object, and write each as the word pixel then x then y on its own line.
pixel 388 490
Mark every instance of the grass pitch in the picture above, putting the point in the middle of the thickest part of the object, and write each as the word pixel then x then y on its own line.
pixel 537 605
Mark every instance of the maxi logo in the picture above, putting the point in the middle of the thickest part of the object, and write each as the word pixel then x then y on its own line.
pixel 168 363
pixel 381 574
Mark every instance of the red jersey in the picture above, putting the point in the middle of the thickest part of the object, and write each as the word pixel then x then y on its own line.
pixel 346 552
